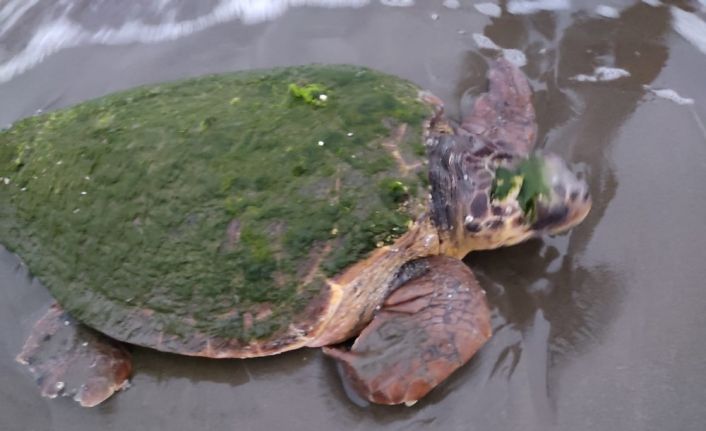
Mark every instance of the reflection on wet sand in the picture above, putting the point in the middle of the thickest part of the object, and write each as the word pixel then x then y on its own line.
pixel 541 291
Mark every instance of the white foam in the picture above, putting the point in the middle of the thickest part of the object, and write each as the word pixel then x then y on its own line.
pixel 602 74
pixel 397 3
pixel 669 94
pixel 47 40
pixel 607 11
pixel 58 32
pixel 690 27
pixel 12 12
pixel 526 7
pixel 452 4
pixel 484 42
pixel 490 9
pixel 514 56
pixel 654 3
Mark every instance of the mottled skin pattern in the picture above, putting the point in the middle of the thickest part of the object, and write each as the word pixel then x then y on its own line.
pixel 499 131
pixel 70 359
pixel 419 312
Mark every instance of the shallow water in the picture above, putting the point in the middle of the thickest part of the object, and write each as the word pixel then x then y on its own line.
pixel 599 329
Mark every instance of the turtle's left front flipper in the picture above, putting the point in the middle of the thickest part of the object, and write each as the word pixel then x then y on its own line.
pixel 70 359
pixel 428 327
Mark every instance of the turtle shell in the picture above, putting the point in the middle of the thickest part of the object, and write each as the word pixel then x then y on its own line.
pixel 205 215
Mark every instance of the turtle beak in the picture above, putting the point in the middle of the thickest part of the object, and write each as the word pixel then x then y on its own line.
pixel 567 203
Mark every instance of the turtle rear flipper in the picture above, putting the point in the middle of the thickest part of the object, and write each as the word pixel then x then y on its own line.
pixel 505 114
pixel 427 328
pixel 69 359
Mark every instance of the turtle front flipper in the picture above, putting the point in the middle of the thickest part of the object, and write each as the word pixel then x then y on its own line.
pixel 504 115
pixel 428 327
pixel 69 359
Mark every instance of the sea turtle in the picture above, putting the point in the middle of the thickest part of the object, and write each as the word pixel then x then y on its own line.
pixel 252 213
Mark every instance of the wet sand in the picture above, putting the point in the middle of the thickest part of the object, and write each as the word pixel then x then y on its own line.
pixel 601 329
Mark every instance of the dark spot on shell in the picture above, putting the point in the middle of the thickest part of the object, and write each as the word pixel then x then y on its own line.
pixel 586 196
pixel 519 221
pixel 473 227
pixel 479 206
pixel 498 210
pixel 573 196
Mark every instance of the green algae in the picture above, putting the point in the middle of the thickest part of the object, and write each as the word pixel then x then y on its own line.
pixel 525 182
pixel 200 197
pixel 313 94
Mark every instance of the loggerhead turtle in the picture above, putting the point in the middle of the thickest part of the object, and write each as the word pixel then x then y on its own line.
pixel 253 213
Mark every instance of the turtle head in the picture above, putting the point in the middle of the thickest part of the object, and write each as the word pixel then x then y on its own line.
pixel 485 198
pixel 527 197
